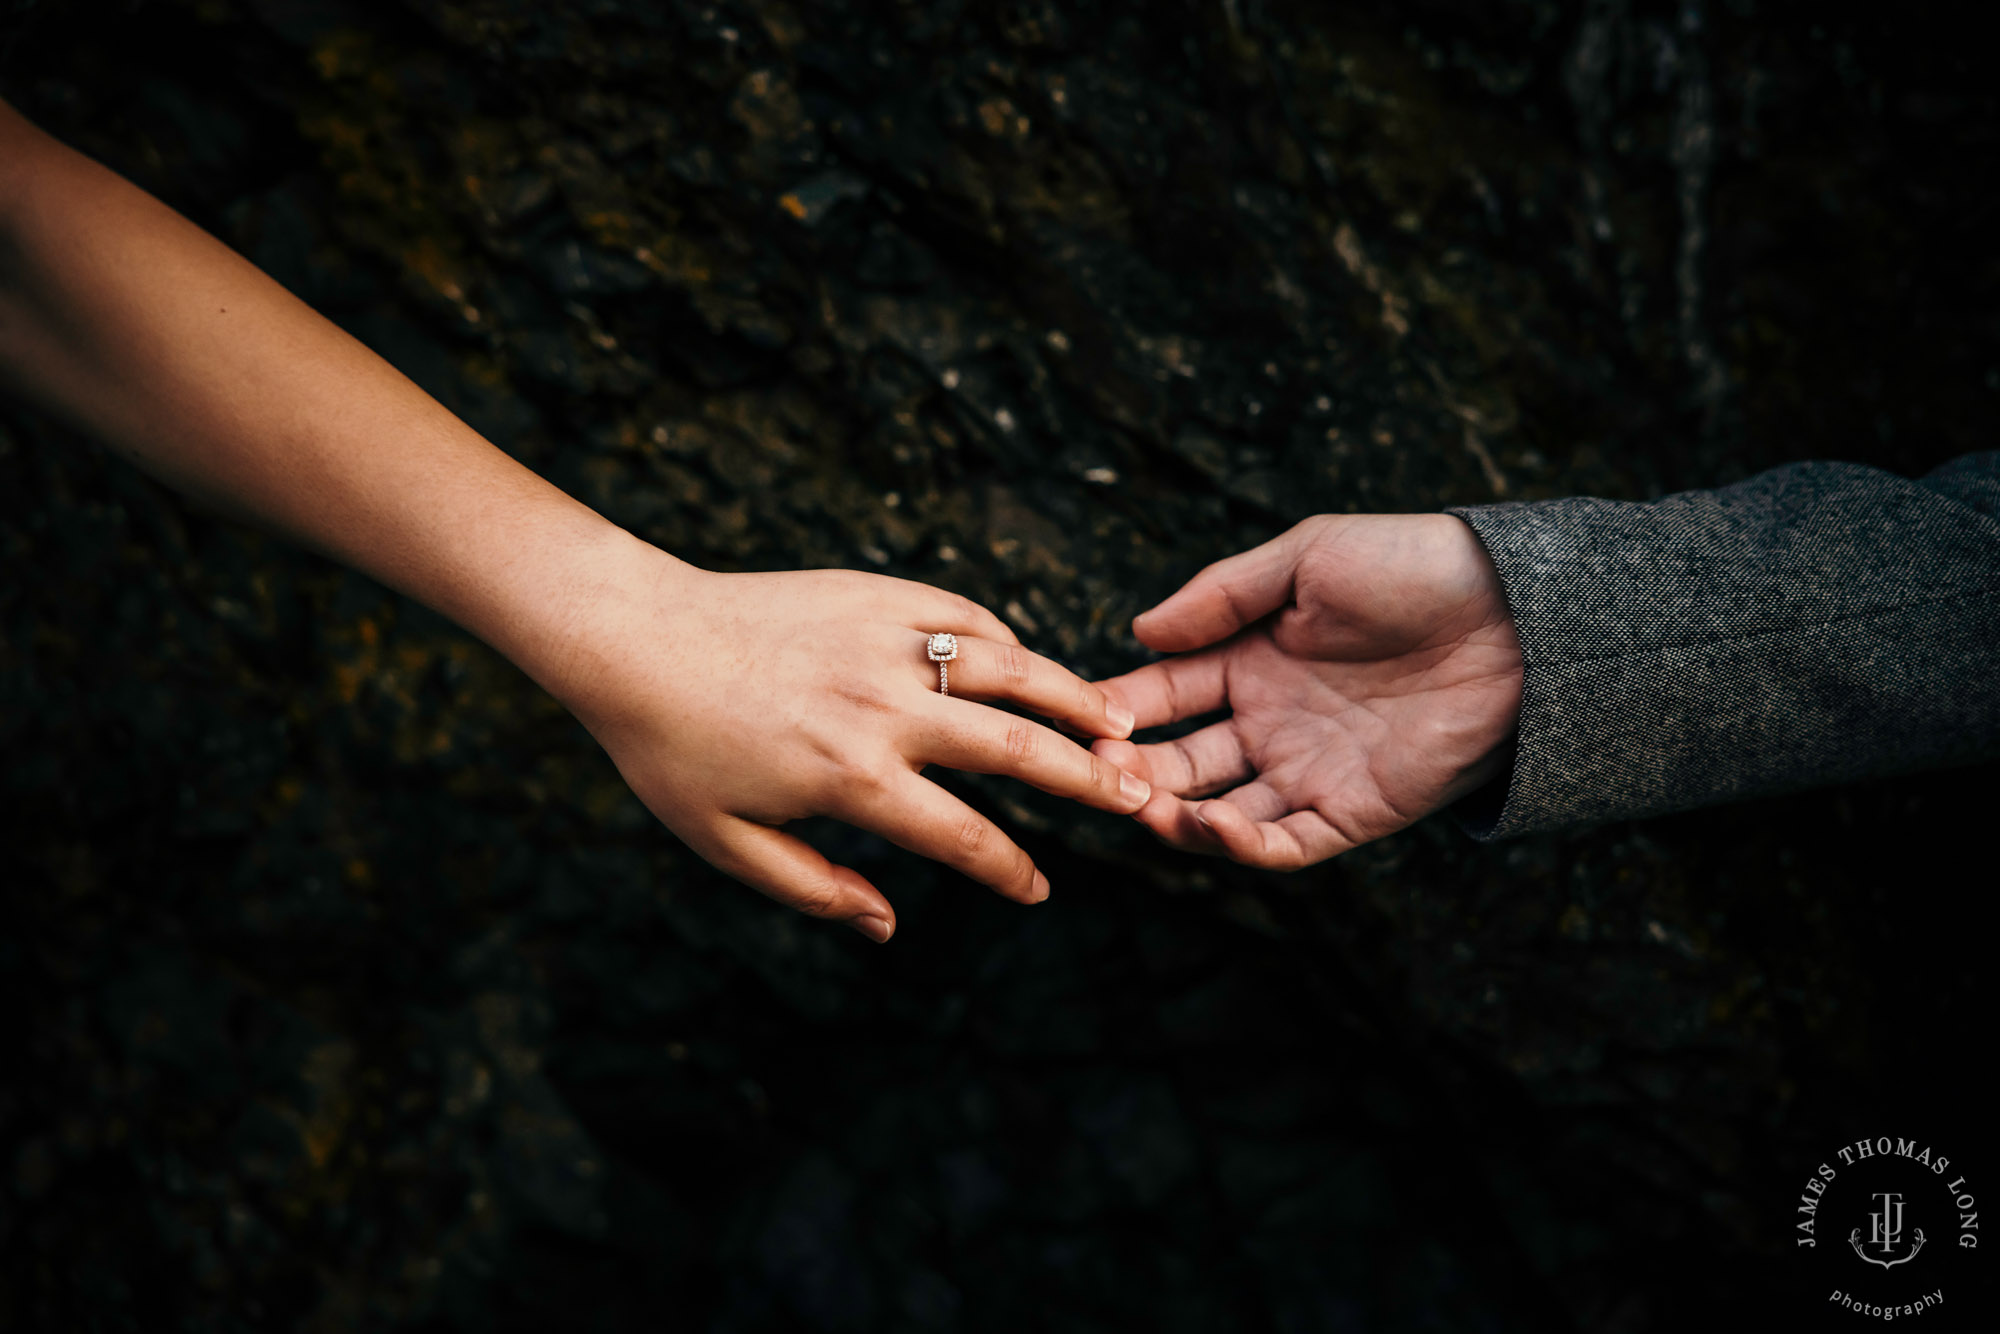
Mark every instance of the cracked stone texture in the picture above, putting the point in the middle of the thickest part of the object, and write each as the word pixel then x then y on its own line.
pixel 349 987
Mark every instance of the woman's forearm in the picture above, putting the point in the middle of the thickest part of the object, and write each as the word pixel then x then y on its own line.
pixel 731 703
pixel 125 318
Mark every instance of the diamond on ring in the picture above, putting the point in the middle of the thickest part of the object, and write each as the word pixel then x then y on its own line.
pixel 941 649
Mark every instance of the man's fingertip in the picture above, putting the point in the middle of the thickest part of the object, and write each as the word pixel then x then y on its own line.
pixel 875 928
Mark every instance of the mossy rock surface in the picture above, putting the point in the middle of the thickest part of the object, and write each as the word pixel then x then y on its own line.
pixel 353 990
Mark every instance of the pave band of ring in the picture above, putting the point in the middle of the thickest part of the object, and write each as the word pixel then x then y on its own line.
pixel 941 649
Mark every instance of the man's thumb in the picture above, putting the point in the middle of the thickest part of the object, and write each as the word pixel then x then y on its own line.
pixel 1223 598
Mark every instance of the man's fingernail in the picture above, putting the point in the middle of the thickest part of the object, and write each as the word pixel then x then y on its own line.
pixel 1041 886
pixel 874 928
pixel 1134 789
pixel 1201 818
pixel 1119 717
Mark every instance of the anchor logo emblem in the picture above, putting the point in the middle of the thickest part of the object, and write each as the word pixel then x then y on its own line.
pixel 1885 1230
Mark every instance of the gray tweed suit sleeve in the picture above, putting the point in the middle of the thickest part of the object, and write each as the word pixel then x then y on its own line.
pixel 1818 623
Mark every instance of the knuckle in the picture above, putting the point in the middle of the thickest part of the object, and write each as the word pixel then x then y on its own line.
pixel 1104 775
pixel 972 835
pixel 818 899
pixel 870 695
pixel 858 781
pixel 1013 665
pixel 1023 741
pixel 870 782
pixel 853 583
pixel 1308 531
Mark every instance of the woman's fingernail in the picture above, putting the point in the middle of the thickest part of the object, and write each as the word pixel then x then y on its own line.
pixel 874 928
pixel 1134 789
pixel 1041 886
pixel 1119 717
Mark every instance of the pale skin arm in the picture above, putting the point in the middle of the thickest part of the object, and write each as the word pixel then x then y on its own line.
pixel 731 703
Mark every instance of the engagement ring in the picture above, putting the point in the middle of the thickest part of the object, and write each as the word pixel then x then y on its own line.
pixel 941 649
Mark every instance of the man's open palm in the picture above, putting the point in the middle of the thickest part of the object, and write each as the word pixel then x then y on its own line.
pixel 1371 675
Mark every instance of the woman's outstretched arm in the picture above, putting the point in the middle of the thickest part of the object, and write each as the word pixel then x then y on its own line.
pixel 731 703
pixel 124 317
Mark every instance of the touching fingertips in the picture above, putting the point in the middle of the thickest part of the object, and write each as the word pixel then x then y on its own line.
pixel 1120 717
pixel 1135 790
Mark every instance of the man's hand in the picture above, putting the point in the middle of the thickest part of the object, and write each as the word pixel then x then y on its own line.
pixel 1371 672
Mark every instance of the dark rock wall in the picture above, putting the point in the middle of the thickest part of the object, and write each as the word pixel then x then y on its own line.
pixel 349 987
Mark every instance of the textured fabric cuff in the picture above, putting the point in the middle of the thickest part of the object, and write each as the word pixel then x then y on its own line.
pixel 1817 623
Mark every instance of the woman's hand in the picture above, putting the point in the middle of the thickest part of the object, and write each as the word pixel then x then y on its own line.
pixel 733 703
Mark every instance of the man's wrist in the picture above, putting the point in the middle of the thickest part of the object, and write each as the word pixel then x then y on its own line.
pixel 1494 632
